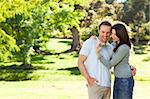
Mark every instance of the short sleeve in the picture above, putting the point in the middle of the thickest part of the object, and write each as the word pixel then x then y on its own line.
pixel 86 47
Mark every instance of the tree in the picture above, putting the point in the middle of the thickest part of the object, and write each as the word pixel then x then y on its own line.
pixel 16 24
pixel 94 11
pixel 76 16
pixel 27 22
pixel 7 45
pixel 139 15
pixel 8 10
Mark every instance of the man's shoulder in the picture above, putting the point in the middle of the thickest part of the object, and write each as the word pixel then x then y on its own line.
pixel 89 41
pixel 87 47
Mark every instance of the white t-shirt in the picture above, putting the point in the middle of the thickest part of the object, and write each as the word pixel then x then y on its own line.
pixel 94 67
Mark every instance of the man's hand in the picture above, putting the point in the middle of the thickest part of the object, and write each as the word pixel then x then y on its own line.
pixel 84 72
pixel 91 81
pixel 133 70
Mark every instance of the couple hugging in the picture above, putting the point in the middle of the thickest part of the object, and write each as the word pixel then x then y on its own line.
pixel 97 56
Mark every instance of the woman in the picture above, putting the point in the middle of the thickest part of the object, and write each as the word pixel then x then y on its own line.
pixel 124 82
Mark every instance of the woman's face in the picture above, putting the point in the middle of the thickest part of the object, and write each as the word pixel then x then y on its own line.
pixel 114 37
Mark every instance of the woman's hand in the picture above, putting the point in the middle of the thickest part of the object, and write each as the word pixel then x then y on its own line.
pixel 98 47
pixel 93 37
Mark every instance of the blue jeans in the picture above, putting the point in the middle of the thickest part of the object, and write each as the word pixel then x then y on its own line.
pixel 123 88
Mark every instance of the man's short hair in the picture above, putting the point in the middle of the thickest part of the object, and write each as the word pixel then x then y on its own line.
pixel 105 23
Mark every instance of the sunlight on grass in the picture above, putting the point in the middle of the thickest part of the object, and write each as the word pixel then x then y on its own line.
pixel 58 45
pixel 143 67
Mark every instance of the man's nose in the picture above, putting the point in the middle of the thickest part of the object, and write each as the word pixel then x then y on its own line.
pixel 105 34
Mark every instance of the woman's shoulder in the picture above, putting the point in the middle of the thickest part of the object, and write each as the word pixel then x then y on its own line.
pixel 124 47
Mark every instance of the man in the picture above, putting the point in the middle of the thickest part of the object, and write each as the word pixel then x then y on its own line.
pixel 97 75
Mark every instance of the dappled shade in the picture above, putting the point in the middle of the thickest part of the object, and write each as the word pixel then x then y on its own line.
pixel 139 49
pixel 66 42
pixel 73 70
pixel 18 73
pixel 147 59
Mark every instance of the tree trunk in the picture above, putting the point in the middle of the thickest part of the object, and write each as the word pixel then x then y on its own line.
pixel 27 57
pixel 75 46
pixel 137 38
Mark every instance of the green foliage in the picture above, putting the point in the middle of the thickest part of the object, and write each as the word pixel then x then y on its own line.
pixel 31 22
pixel 139 15
pixel 11 7
pixel 7 45
pixel 16 22
pixel 146 27
pixel 27 26
pixel 64 16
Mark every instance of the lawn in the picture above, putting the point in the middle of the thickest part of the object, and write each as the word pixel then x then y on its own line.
pixel 56 76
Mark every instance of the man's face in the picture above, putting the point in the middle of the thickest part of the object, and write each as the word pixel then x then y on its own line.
pixel 104 33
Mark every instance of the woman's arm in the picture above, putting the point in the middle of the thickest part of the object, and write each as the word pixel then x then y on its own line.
pixel 116 58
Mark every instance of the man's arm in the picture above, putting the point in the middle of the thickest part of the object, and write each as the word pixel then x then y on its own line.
pixel 83 70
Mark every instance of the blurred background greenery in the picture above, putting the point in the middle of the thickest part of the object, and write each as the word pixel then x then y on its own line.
pixel 40 41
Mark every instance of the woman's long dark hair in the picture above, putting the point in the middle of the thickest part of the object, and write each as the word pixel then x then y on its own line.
pixel 122 34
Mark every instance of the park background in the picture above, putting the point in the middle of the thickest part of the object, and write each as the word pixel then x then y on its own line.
pixel 40 41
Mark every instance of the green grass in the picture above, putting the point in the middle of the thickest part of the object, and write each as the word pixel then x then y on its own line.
pixel 141 61
pixel 57 46
pixel 56 76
